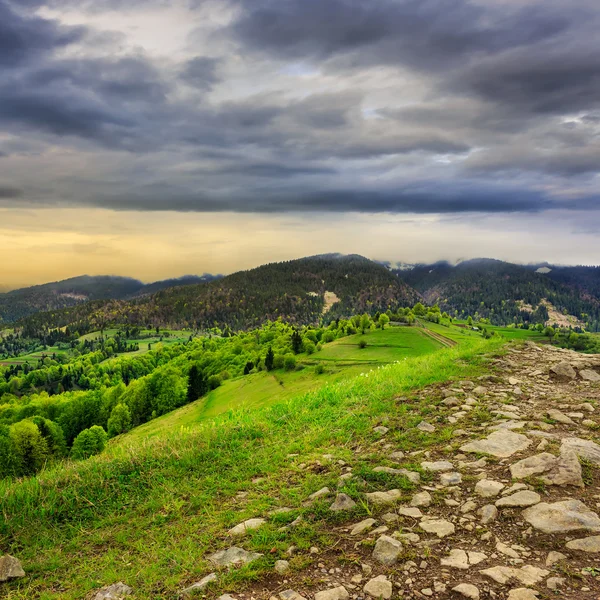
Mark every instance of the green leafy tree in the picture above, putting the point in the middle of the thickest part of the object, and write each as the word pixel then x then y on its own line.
pixel 383 320
pixel 365 323
pixel 29 447
pixel 289 362
pixel 89 442
pixel 119 421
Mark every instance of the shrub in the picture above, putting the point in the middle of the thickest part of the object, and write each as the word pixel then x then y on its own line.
pixel 319 369
pixel 278 361
pixel 29 447
pixel 119 421
pixel 289 362
pixel 214 381
pixel 309 347
pixel 362 344
pixel 89 442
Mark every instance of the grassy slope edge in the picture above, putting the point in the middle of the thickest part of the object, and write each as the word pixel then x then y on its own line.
pixel 149 512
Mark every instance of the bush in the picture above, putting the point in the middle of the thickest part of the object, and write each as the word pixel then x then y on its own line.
pixel 89 442
pixel 119 421
pixel 214 381
pixel 362 344
pixel 289 362
pixel 278 361
pixel 319 369
pixel 309 347
pixel 29 448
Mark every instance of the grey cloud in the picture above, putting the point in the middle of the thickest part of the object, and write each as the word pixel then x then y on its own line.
pixel 201 72
pixel 10 192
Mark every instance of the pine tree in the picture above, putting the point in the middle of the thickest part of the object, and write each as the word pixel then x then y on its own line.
pixel 296 342
pixel 197 384
pixel 269 359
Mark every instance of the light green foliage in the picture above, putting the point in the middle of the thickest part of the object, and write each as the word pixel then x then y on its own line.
pixel 289 362
pixel 120 420
pixel 89 442
pixel 29 448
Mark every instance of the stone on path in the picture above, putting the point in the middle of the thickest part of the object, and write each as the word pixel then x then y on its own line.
pixel 379 587
pixel 412 476
pixel 440 527
pixel 447 479
pixel 563 370
pixel 582 448
pixel 523 498
pixel 426 427
pixel 437 466
pixel 337 593
pixel 291 595
pixel 199 585
pixel 522 594
pixel 467 590
pixel 562 517
pixel 486 488
pixel 562 470
pixel 233 556
pixel 10 568
pixel 589 544
pixel 421 499
pixel 554 557
pixel 589 375
pixel 559 416
pixel 116 591
pixel 342 502
pixel 527 575
pixel 363 526
pixel 386 551
pixel 246 526
pixel 282 566
pixel 384 498
pixel 488 513
pixel 320 494
pixel 501 444
pixel 461 559
pixel 410 511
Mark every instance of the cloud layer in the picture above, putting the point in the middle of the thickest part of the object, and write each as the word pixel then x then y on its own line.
pixel 402 106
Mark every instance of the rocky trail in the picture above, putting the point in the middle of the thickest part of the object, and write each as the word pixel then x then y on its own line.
pixel 505 509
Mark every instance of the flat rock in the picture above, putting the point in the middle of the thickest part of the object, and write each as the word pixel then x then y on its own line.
pixel 412 476
pixel 487 488
pixel 199 585
pixel 461 559
pixel 381 430
pixel 588 544
pixel 501 444
pixel 233 556
pixel 282 566
pixel 397 456
pixel 559 416
pixel 116 591
pixel 582 448
pixel 291 595
pixel 527 575
pixel 421 499
pixel 426 427
pixel 363 526
pixel 337 593
pixel 386 551
pixel 453 478
pixel 342 502
pixel 437 466
pixel 488 513
pixel 562 517
pixel 410 511
pixel 589 375
pixel 554 557
pixel 523 498
pixel 10 568
pixel 467 590
pixel 440 527
pixel 379 587
pixel 246 526
pixel 563 370
pixel 384 498
pixel 562 470
pixel 320 494
pixel 522 594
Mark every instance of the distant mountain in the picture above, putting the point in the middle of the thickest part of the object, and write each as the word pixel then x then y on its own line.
pixel 504 291
pixel 17 304
pixel 300 291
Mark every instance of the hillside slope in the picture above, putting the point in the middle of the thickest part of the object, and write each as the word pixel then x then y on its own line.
pixel 293 290
pixel 499 290
pixel 454 473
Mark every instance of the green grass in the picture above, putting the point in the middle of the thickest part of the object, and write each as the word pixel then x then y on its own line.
pixel 148 510
pixel 388 345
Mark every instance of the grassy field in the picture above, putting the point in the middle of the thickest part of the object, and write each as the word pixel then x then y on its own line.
pixel 149 509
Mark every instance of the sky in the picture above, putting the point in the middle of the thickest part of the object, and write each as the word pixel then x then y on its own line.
pixel 156 138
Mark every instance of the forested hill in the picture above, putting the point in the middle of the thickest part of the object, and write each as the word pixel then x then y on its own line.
pixel 294 290
pixel 504 292
pixel 21 303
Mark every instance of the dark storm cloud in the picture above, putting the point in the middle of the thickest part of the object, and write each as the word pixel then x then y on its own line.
pixel 10 192
pixel 421 33
pixel 201 72
pixel 23 38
